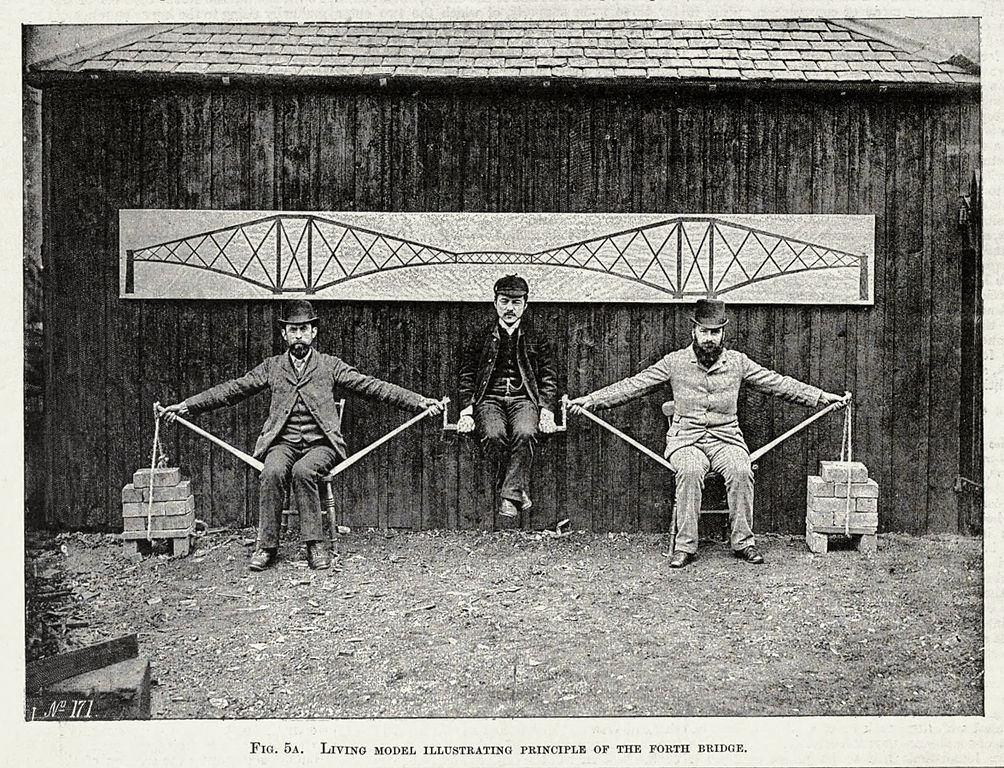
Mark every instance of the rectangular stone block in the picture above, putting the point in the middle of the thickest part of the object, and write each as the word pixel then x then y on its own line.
pixel 830 505
pixel 816 543
pixel 161 476
pixel 817 486
pixel 174 533
pixel 157 524
pixel 837 471
pixel 866 490
pixel 817 517
pixel 131 494
pixel 858 520
pixel 866 505
pixel 159 508
pixel 179 492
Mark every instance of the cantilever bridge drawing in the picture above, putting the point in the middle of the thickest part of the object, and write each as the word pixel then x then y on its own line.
pixel 764 258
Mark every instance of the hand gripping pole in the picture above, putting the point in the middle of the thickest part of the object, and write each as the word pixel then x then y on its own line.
pixel 799 427
pixel 253 462
pixel 626 438
pixel 562 427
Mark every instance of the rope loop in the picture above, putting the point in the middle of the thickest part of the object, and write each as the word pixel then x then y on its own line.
pixel 155 454
pixel 845 450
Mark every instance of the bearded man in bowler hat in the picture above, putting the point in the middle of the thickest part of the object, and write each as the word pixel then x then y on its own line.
pixel 705 378
pixel 507 393
pixel 301 439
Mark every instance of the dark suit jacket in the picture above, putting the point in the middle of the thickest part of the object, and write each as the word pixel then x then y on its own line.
pixel 322 374
pixel 533 353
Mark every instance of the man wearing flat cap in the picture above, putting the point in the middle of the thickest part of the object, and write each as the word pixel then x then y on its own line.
pixel 507 393
pixel 705 378
pixel 301 439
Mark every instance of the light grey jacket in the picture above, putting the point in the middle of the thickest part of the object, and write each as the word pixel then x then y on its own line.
pixel 705 399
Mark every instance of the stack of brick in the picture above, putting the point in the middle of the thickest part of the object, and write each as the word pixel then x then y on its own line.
pixel 830 499
pixel 171 516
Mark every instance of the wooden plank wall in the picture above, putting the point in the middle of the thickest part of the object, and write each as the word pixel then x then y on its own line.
pixel 904 158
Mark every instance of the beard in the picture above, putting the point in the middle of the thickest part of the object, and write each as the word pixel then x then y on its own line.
pixel 299 350
pixel 707 354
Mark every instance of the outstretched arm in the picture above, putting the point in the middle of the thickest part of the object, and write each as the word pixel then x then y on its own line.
pixel 373 388
pixel 627 389
pixel 227 393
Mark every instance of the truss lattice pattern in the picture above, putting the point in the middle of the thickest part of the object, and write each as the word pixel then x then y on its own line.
pixel 685 256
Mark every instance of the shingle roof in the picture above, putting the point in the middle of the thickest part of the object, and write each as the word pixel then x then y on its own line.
pixel 752 50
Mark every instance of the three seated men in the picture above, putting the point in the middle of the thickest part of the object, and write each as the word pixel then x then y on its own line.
pixel 507 391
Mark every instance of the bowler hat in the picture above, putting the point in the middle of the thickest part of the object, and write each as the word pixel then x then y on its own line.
pixel 512 285
pixel 710 314
pixel 296 312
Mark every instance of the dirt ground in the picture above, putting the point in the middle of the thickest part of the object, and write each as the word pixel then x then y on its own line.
pixel 517 624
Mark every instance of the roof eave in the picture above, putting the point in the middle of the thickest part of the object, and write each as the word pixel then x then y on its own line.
pixel 43 79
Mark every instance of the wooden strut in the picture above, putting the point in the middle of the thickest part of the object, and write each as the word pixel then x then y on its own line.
pixel 753 456
pixel 253 462
pixel 348 462
pixel 799 427
pixel 662 461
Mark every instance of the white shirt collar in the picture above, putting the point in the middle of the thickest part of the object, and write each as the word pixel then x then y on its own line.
pixel 510 329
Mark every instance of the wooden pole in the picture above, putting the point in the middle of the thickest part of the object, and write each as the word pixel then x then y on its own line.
pixel 628 439
pixel 644 449
pixel 348 462
pixel 222 443
pixel 798 427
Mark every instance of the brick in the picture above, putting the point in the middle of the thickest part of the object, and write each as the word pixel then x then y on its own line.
pixel 836 471
pixel 816 542
pixel 130 494
pixel 868 543
pixel 816 486
pixel 858 520
pixel 161 476
pixel 174 533
pixel 830 505
pixel 179 492
pixel 866 505
pixel 157 524
pixel 818 517
pixel 866 490
pixel 158 508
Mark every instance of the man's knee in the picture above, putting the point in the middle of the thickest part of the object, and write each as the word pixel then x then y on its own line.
pixel 523 434
pixel 304 472
pixel 737 470
pixel 494 438
pixel 273 475
pixel 690 466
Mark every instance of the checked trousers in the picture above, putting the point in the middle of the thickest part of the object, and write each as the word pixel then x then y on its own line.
pixel 732 462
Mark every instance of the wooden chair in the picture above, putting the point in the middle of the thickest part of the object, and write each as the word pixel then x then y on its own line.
pixel 325 487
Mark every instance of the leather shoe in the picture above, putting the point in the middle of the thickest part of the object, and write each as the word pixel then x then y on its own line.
pixel 317 556
pixel 681 558
pixel 508 509
pixel 750 555
pixel 525 501
pixel 261 559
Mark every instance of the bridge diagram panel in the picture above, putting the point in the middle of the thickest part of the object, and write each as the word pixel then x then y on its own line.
pixel 566 257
